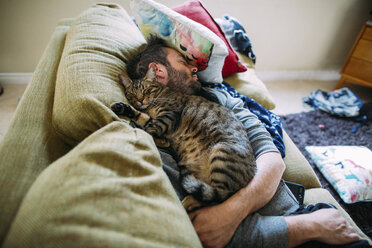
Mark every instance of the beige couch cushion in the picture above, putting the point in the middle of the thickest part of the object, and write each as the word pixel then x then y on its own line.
pixel 109 191
pixel 31 144
pixel 247 83
pixel 98 43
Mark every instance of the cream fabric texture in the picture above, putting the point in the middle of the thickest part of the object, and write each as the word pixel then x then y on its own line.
pixel 71 174
pixel 109 191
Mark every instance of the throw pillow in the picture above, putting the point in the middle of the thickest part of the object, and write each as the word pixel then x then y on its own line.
pixel 98 43
pixel 197 43
pixel 194 10
pixel 347 168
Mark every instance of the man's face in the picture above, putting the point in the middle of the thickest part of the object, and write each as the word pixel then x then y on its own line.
pixel 181 75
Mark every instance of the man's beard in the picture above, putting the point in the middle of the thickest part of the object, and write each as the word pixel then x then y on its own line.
pixel 180 81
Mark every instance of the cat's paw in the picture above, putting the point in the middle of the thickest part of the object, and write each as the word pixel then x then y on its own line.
pixel 190 203
pixel 121 108
pixel 161 142
pixel 153 129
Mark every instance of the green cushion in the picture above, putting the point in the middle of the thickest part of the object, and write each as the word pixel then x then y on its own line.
pixel 98 44
pixel 109 191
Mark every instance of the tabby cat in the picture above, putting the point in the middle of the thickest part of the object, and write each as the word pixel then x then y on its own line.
pixel 215 156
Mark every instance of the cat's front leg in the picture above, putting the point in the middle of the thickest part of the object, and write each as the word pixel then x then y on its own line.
pixel 123 109
pixel 142 120
pixel 190 203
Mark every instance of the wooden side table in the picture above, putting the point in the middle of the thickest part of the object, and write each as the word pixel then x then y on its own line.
pixel 358 65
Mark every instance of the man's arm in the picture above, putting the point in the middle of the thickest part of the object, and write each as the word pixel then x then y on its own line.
pixel 216 225
pixel 270 165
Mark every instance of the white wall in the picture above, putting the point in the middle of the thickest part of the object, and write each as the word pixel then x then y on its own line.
pixel 286 34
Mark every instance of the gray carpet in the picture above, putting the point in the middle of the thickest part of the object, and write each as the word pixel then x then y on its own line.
pixel 321 129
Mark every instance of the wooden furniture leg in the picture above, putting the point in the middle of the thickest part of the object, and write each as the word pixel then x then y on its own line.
pixel 340 83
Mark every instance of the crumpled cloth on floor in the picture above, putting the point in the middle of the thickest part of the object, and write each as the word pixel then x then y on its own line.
pixel 237 36
pixel 342 102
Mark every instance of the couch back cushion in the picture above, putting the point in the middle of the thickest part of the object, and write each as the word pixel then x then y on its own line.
pixel 98 44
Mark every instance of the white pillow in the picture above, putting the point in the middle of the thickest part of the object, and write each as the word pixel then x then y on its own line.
pixel 199 44
pixel 347 168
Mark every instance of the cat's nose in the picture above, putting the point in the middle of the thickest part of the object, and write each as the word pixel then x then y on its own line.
pixel 140 97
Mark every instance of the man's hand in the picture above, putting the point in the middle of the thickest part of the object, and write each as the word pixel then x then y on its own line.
pixel 325 225
pixel 334 229
pixel 215 225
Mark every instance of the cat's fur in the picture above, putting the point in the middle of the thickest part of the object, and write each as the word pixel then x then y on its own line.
pixel 215 155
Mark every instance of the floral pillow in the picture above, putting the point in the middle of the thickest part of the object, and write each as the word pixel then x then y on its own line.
pixel 347 168
pixel 197 43
pixel 195 10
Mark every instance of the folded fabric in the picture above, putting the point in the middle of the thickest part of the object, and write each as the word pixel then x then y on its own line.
pixel 237 36
pixel 342 102
pixel 271 121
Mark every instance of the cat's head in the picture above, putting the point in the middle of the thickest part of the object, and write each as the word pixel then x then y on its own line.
pixel 141 92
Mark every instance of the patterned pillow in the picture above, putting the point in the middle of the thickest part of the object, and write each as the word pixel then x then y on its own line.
pixel 347 168
pixel 195 10
pixel 197 43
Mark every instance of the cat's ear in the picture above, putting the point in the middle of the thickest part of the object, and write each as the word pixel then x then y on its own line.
pixel 151 73
pixel 125 81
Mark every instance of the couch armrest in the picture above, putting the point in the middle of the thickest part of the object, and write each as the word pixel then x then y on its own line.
pixel 30 143
pixel 109 191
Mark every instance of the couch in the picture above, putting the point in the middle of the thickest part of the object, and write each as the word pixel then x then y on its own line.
pixel 73 174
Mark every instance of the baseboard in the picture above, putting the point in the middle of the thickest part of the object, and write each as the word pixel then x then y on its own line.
pixel 15 78
pixel 282 75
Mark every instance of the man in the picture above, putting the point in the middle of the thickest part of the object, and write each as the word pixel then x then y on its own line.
pixel 257 215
